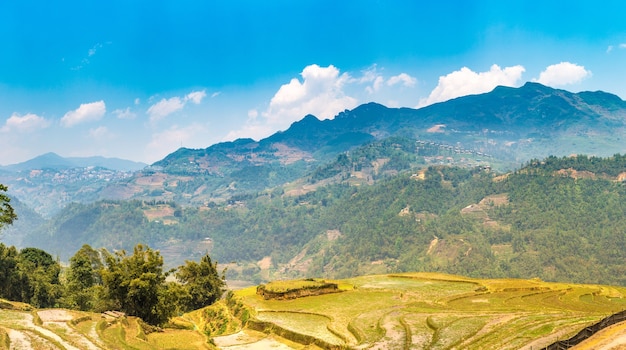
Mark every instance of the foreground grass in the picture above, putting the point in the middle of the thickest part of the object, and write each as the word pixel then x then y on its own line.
pixel 399 311
pixel 436 311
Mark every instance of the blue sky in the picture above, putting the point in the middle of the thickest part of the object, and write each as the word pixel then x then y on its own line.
pixel 139 79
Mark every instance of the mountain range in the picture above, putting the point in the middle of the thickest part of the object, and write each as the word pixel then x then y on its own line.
pixel 501 129
pixel 54 161
pixel 374 189
pixel 512 123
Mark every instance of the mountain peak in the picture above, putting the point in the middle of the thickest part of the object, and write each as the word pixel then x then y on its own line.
pixel 54 161
pixel 308 119
pixel 364 109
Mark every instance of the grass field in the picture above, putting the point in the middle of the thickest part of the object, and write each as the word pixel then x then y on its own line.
pixel 436 311
pixel 401 311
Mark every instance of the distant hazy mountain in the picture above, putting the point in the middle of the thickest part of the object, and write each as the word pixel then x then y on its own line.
pixel 53 161
pixel 502 129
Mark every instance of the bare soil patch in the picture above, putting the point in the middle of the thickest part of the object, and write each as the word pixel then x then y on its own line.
pixel 55 315
pixel 158 212
pixel 265 263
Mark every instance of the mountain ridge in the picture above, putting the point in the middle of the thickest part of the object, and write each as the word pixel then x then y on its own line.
pixel 513 124
pixel 374 189
pixel 500 129
pixel 54 161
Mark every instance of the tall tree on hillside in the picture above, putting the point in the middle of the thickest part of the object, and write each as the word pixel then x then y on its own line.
pixel 7 215
pixel 136 284
pixel 40 277
pixel 10 281
pixel 202 284
pixel 83 275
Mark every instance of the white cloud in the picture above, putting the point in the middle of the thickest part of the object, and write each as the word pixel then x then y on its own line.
pixel 369 75
pixel 320 93
pixel 24 123
pixel 564 73
pixel 167 141
pixel 85 113
pixel 99 132
pixel 466 82
pixel 215 94
pixel 609 49
pixel 254 127
pixel 251 129
pixel 402 78
pixel 168 106
pixel 375 87
pixel 195 96
pixel 94 49
pixel 164 108
pixel 125 113
pixel 323 92
pixel 622 46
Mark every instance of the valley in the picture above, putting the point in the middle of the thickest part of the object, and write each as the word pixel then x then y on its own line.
pixel 521 199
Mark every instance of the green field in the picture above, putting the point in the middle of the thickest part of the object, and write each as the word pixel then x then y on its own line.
pixel 398 311
pixel 436 311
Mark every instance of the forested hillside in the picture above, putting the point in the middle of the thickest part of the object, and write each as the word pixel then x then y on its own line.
pixel 559 219
pixel 501 129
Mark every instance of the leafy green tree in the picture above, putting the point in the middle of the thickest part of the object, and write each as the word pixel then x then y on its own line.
pixel 7 215
pixel 136 284
pixel 202 283
pixel 10 281
pixel 83 276
pixel 39 275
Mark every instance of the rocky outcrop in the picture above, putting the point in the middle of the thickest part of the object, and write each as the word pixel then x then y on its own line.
pixel 300 292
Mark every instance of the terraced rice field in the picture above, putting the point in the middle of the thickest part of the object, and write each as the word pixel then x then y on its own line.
pixel 404 311
pixel 435 311
pixel 62 329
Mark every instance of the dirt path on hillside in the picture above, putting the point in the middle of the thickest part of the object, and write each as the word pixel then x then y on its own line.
pixel 56 318
pixel 249 340
pixel 395 333
pixel 19 340
pixel 24 334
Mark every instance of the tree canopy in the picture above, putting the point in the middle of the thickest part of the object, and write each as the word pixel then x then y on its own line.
pixel 7 215
pixel 100 281
pixel 202 283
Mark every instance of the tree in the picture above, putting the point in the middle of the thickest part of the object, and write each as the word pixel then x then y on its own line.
pixel 7 215
pixel 10 281
pixel 84 274
pixel 39 274
pixel 201 282
pixel 136 285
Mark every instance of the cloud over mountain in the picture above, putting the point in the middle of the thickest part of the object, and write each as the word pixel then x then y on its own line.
pixel 321 93
pixel 564 73
pixel 165 107
pixel 467 82
pixel 85 113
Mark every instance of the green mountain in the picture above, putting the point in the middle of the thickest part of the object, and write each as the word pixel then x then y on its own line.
pixel 501 129
pixel 559 219
pixel 373 190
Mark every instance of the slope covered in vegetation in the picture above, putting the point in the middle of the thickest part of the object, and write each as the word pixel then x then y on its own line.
pixel 559 219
